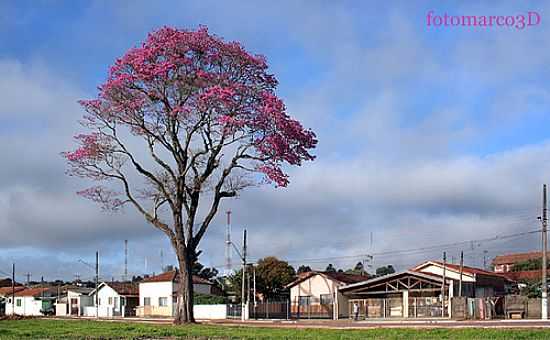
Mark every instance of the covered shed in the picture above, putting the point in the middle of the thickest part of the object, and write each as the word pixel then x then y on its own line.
pixel 407 294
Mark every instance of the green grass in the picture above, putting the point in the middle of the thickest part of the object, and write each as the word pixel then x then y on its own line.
pixel 85 329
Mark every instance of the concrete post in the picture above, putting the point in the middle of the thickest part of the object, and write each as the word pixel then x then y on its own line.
pixel 405 303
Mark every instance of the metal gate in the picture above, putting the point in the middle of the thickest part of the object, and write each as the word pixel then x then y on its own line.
pixel 270 310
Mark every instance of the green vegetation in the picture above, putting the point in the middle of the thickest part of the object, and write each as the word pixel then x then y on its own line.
pixel 533 264
pixel 69 329
pixel 207 299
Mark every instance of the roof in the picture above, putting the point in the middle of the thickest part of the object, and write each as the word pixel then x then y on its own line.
pixel 456 268
pixel 79 290
pixel 124 288
pixel 340 277
pixel 173 276
pixel 390 276
pixel 528 275
pixel 516 257
pixel 4 291
pixel 34 292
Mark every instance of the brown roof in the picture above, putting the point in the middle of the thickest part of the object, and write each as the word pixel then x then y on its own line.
pixel 5 291
pixel 517 257
pixel 124 288
pixel 173 276
pixel 35 292
pixel 527 275
pixel 340 277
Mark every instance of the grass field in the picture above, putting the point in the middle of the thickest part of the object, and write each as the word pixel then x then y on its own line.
pixel 68 329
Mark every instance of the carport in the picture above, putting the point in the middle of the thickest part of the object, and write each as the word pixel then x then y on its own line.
pixel 405 294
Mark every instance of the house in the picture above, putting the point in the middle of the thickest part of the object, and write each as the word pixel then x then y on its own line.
pixel 31 301
pixel 74 301
pixel 416 293
pixel 113 299
pixel 476 282
pixel 314 294
pixel 158 294
pixel 5 293
pixel 505 263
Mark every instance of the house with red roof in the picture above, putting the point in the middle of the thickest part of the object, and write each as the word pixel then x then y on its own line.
pixel 31 301
pixel 505 263
pixel 158 294
pixel 417 292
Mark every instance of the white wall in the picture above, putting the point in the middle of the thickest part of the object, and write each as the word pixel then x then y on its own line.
pixel 156 290
pixel 449 274
pixel 210 312
pixel 107 309
pixel 29 306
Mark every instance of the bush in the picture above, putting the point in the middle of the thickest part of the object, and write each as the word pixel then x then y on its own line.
pixel 206 299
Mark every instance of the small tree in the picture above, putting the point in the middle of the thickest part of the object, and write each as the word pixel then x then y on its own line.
pixel 303 269
pixel 330 268
pixel 385 270
pixel 205 116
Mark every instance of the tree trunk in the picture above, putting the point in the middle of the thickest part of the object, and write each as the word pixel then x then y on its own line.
pixel 184 310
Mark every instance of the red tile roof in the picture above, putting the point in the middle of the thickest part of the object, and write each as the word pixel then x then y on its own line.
pixel 526 275
pixel 35 292
pixel 517 257
pixel 6 291
pixel 173 276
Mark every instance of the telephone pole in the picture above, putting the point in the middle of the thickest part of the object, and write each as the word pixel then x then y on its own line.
pixel 544 254
pixel 443 285
pixel 461 270
pixel 125 260
pixel 244 305
pixel 96 284
pixel 13 289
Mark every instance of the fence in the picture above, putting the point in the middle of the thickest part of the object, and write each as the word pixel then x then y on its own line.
pixel 270 310
pixel 477 308
pixel 522 307
pixel 373 308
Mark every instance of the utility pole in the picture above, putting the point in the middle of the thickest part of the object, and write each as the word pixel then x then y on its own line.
pixel 461 270
pixel 161 261
pixel 96 284
pixel 125 260
pixel 544 255
pixel 244 305
pixel 443 285
pixel 254 268
pixel 13 289
pixel 28 279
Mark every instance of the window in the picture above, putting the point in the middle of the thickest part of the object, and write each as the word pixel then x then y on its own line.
pixel 303 300
pixel 326 299
pixel 18 302
pixel 147 301
pixel 123 301
pixel 110 300
pixel 163 301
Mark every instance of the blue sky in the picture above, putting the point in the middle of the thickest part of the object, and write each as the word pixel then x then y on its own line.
pixel 446 124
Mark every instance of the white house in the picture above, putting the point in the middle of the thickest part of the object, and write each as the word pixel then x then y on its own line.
pixel 114 299
pixel 315 294
pixel 5 293
pixel 158 294
pixel 74 303
pixel 31 301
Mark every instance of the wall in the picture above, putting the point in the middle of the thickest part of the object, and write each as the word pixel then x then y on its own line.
pixel 210 312
pixel 437 270
pixel 61 309
pixel 201 288
pixel 29 306
pixel 154 290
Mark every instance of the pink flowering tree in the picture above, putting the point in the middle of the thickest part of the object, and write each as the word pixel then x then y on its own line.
pixel 181 123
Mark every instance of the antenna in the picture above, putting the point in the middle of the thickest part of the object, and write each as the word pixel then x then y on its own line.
pixel 228 244
pixel 161 261
pixel 125 260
